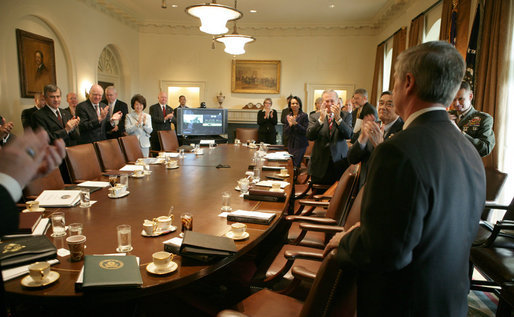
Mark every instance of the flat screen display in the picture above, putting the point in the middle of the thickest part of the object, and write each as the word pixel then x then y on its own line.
pixel 201 121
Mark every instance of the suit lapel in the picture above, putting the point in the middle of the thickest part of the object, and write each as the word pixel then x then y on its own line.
pixel 53 117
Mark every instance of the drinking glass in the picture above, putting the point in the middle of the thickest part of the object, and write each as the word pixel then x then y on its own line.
pixel 113 179
pixel 58 224
pixel 124 180
pixel 225 201
pixel 75 229
pixel 243 185
pixel 181 153
pixel 85 199
pixel 187 222
pixel 237 142
pixel 124 238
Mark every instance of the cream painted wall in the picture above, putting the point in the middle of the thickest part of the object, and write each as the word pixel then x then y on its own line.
pixel 305 59
pixel 79 33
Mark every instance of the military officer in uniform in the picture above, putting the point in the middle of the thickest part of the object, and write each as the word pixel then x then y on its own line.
pixel 476 126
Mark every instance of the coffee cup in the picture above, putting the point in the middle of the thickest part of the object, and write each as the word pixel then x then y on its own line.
pixel 117 190
pixel 32 205
pixel 140 161
pixel 275 187
pixel 149 227
pixel 139 173
pixel 238 229
pixel 283 172
pixel 76 244
pixel 162 154
pixel 39 270
pixel 164 222
pixel 172 164
pixel 162 259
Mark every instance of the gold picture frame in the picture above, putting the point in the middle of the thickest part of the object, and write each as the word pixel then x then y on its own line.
pixel 36 62
pixel 256 77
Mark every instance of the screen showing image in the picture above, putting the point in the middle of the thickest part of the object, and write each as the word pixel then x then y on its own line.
pixel 197 121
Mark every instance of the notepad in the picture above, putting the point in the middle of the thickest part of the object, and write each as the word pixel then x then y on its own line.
pixel 59 198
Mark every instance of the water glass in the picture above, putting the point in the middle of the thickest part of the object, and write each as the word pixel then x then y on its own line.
pixel 75 229
pixel 85 198
pixel 243 185
pixel 225 201
pixel 181 153
pixel 211 146
pixel 124 238
pixel 237 142
pixel 124 180
pixel 58 224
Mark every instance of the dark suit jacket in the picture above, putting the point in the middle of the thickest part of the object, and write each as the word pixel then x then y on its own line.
pixel 297 137
pixel 267 132
pixel 366 109
pixel 9 214
pixel 118 106
pixel 328 146
pixel 46 119
pixel 92 130
pixel 420 212
pixel 356 154
pixel 26 117
pixel 158 124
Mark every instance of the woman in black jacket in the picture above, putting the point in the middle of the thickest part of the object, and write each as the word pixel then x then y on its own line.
pixel 267 120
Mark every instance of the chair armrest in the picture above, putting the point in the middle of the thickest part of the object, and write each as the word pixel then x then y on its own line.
pixel 323 221
pixel 30 197
pixel 321 228
pixel 500 225
pixel 320 186
pixel 301 273
pixel 314 203
pixel 315 255
pixel 494 205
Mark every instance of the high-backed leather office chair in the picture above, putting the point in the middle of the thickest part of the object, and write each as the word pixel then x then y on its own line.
pixel 131 149
pixel 110 154
pixel 168 140
pixel 82 163
pixel 494 180
pixel 246 134
pixel 51 181
pixel 333 293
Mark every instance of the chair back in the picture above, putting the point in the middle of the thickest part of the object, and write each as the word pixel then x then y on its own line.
pixel 354 215
pixel 131 149
pixel 51 181
pixel 245 134
pixel 494 180
pixel 82 162
pixel 344 194
pixel 334 291
pixel 110 154
pixel 168 140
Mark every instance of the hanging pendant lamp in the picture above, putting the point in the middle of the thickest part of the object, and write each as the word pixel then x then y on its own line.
pixel 213 16
pixel 235 42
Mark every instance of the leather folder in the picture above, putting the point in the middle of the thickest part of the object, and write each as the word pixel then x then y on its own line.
pixel 205 247
pixel 107 271
pixel 25 249
pixel 265 195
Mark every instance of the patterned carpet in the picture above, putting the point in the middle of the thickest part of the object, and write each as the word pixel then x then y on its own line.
pixel 482 304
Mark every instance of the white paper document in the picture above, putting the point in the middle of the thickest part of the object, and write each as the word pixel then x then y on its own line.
pixel 93 184
pixel 131 168
pixel 253 214
pixel 59 198
pixel 278 156
pixel 207 141
pixel 153 160
pixel 270 183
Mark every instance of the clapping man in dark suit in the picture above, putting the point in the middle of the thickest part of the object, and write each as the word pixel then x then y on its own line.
pixel 373 133
pixel 422 200
pixel 26 115
pixel 95 120
pixel 5 131
pixel 162 117
pixel 329 128
pixel 361 109
pixel 115 105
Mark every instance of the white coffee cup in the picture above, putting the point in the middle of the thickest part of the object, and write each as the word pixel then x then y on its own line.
pixel 172 164
pixel 32 205
pixel 39 270
pixel 149 227
pixel 139 172
pixel 238 229
pixel 162 259
pixel 164 222
pixel 275 187
pixel 283 172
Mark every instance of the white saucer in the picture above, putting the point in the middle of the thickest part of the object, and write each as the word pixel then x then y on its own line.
pixel 120 196
pixel 159 232
pixel 148 172
pixel 137 176
pixel 172 168
pixel 35 210
pixel 27 281
pixel 152 269
pixel 230 235
pixel 280 190
pixel 237 188
pixel 282 175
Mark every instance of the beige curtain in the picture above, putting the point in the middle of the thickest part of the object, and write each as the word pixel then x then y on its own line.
pixel 463 8
pixel 399 45
pixel 416 30
pixel 378 76
pixel 491 86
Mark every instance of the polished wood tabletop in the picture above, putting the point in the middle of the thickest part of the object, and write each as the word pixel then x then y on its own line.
pixel 195 187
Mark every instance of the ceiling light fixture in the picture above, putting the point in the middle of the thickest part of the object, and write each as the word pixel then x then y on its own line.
pixel 163 4
pixel 235 42
pixel 253 11
pixel 213 16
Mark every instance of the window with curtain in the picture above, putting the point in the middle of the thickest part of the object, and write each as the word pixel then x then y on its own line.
pixel 388 61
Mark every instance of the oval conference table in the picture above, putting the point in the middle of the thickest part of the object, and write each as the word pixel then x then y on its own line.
pixel 195 187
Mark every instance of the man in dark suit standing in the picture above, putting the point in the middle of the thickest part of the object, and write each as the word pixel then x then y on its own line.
pixel 162 117
pixel 422 200
pixel 373 133
pixel 26 115
pixel 329 128
pixel 115 105
pixel 95 121
pixel 361 109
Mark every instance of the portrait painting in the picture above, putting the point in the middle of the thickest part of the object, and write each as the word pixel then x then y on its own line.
pixel 257 77
pixel 36 62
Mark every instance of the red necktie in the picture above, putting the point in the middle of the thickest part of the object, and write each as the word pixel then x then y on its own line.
pixel 330 124
pixel 59 117
pixel 164 111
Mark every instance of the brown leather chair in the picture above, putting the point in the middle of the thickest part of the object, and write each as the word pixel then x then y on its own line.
pixel 168 140
pixel 246 134
pixel 131 149
pixel 110 154
pixel 82 163
pixel 494 180
pixel 51 181
pixel 333 293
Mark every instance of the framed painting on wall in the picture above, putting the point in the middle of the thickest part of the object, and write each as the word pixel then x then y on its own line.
pixel 256 77
pixel 36 62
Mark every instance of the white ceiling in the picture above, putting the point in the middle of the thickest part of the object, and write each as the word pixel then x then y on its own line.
pixel 270 13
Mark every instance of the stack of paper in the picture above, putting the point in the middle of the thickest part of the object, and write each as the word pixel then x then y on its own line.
pixel 93 184
pixel 59 198
pixel 270 183
pixel 131 168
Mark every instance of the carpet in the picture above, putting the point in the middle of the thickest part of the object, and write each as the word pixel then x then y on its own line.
pixel 482 304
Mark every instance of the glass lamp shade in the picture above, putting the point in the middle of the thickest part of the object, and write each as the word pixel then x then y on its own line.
pixel 214 17
pixel 235 43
